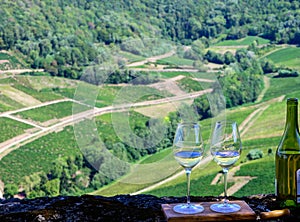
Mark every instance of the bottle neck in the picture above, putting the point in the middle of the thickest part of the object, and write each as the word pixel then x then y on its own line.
pixel 292 117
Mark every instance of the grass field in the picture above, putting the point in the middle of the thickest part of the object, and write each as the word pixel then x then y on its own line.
pixel 289 57
pixel 269 124
pixel 202 75
pixel 263 169
pixel 175 61
pixel 131 57
pixel 283 86
pixel 243 42
pixel 167 75
pixel 199 187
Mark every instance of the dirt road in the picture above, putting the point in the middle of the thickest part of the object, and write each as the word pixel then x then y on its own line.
pixel 152 59
pixel 19 71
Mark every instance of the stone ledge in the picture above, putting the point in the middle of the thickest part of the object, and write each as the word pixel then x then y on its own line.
pixel 118 208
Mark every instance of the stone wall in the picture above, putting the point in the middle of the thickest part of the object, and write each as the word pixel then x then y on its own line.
pixel 118 208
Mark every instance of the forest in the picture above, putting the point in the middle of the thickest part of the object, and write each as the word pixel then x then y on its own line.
pixel 63 36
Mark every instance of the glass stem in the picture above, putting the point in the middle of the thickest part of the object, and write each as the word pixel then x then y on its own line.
pixel 225 171
pixel 188 179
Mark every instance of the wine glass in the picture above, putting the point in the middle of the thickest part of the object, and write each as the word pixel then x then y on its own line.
pixel 188 151
pixel 225 148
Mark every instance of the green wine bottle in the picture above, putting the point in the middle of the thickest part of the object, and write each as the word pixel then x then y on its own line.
pixel 287 159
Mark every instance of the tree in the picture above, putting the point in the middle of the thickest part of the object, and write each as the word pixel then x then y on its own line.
pixel 10 190
pixel 202 107
pixel 268 66
pixel 51 188
pixel 214 57
pixel 282 73
pixel 228 58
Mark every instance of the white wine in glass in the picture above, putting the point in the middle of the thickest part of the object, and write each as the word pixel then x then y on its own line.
pixel 225 147
pixel 188 151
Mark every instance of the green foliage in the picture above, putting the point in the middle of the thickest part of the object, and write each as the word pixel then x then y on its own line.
pixel 140 126
pixel 214 57
pixel 52 187
pixel 255 154
pixel 283 73
pixel 243 81
pixel 202 107
pixel 10 190
pixel 116 95
pixel 189 85
pixel 9 62
pixel 145 47
pixel 130 76
pixel 66 92
pixel 57 167
pixel 229 58
pixel 131 57
pixel 268 66
pixel 52 36
pixel 174 74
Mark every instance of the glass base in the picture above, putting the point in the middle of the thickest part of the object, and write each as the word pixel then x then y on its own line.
pixel 225 208
pixel 188 208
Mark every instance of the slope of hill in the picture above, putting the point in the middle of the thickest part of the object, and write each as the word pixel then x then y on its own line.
pixel 71 133
pixel 64 36
pixel 46 123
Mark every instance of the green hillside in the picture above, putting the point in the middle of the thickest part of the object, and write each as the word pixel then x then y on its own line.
pixel 91 92
pixel 65 36
pixel 56 149
pixel 289 56
pixel 244 41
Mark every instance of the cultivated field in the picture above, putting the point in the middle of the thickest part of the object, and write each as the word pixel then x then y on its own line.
pixel 40 121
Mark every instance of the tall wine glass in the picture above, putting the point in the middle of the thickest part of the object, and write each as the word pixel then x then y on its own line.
pixel 188 151
pixel 225 148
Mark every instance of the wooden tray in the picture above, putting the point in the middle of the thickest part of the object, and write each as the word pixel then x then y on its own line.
pixel 246 213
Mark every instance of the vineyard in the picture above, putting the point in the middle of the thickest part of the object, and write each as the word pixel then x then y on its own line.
pixel 10 128
pixel 45 112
